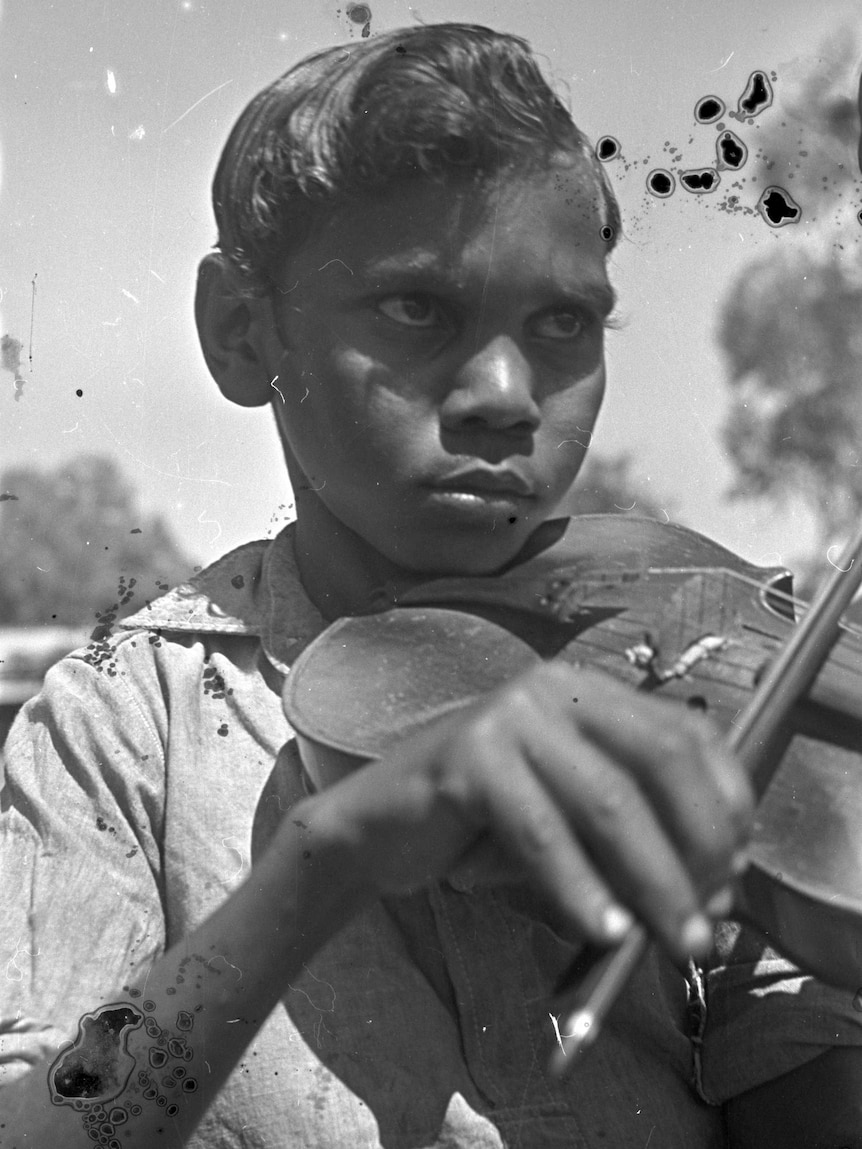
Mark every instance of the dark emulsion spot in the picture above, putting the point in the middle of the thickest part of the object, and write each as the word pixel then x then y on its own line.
pixel 778 208
pixel 708 109
pixel 731 152
pixel 700 181
pixel 97 1065
pixel 661 183
pixel 360 14
pixel 607 148
pixel 756 97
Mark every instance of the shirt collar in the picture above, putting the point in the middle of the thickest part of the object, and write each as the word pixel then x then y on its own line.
pixel 255 590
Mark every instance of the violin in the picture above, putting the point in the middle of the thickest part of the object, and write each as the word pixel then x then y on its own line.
pixel 670 612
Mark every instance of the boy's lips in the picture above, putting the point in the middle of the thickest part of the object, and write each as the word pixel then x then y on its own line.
pixel 487 482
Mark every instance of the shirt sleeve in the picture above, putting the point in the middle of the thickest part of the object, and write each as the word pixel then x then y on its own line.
pixel 80 817
pixel 764 1017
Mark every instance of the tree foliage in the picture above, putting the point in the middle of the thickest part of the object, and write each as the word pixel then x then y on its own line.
pixel 791 324
pixel 792 335
pixel 76 547
pixel 810 140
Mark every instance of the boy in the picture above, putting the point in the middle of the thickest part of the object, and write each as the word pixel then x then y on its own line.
pixel 412 269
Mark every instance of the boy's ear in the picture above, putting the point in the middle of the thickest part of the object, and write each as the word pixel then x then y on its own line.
pixel 234 330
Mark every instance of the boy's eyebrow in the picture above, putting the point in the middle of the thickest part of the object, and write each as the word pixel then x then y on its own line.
pixel 424 272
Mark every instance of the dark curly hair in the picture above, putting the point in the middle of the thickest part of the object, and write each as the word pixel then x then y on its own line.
pixel 429 101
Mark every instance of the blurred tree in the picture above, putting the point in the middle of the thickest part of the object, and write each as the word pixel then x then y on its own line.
pixel 792 334
pixel 77 549
pixel 606 486
pixel 791 325
pixel 809 141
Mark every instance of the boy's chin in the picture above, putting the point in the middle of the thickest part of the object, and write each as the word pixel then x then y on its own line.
pixel 470 557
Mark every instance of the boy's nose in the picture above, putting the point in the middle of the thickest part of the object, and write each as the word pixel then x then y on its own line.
pixel 494 387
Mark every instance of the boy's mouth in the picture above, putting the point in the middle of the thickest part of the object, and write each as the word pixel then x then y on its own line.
pixel 480 495
pixel 487 483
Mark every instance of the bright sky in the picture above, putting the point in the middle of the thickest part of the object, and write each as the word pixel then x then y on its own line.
pixel 114 115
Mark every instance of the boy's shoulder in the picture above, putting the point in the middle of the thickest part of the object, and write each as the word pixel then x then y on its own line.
pixel 224 598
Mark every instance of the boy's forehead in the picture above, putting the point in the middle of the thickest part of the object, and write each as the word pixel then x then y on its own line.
pixel 432 231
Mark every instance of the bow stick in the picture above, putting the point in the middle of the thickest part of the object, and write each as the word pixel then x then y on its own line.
pixel 788 679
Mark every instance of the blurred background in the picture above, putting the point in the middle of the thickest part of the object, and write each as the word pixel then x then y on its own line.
pixel 734 403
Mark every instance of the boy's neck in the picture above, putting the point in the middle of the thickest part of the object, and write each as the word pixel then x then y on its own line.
pixel 344 575
pixel 341 572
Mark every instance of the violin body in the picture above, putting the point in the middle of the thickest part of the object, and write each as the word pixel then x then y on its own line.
pixel 666 610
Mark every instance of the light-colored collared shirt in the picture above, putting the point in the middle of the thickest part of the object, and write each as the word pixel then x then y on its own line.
pixel 140 785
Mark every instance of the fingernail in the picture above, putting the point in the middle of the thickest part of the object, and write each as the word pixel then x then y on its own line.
pixel 696 935
pixel 721 903
pixel 616 922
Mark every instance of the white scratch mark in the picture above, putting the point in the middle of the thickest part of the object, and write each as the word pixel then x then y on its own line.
pixel 156 274
pixel 111 81
pixel 724 62
pixel 771 559
pixel 583 431
pixel 555 1022
pixel 666 515
pixel 201 519
pixel 341 261
pixel 226 962
pixel 129 295
pixel 831 563
pixel 71 429
pixel 305 396
pixel 631 508
pixel 226 842
pixel 139 462
pixel 174 123
pixel 309 487
pixel 278 389
pixel 321 981
pixel 298 989
pixel 13 962
pixel 112 323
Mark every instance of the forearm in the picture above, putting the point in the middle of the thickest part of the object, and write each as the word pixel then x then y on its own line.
pixel 198 1007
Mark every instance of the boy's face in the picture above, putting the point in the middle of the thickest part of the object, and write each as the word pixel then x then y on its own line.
pixel 441 363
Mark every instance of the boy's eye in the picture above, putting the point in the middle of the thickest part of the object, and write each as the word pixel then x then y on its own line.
pixel 560 325
pixel 410 310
